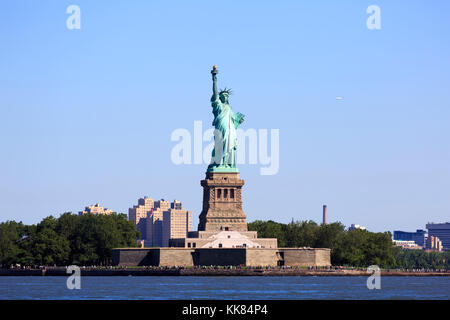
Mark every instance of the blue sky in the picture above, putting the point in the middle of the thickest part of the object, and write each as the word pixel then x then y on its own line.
pixel 87 115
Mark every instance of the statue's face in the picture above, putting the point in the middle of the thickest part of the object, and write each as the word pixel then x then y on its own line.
pixel 224 97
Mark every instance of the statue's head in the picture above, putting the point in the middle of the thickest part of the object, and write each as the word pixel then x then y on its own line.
pixel 224 95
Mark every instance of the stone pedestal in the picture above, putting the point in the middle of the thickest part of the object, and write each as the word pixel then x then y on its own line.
pixel 222 203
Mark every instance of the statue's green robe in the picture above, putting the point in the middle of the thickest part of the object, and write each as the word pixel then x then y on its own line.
pixel 226 122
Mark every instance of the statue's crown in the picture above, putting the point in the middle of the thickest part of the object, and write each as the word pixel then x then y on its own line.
pixel 227 91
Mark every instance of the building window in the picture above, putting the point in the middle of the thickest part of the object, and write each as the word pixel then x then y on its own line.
pixel 219 193
pixel 189 244
pixel 194 244
pixel 232 193
pixel 225 193
pixel 220 245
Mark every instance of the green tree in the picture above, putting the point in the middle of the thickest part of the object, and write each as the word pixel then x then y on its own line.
pixel 93 237
pixel 302 234
pixel 329 235
pixel 69 239
pixel 348 247
pixel 269 229
pixel 11 234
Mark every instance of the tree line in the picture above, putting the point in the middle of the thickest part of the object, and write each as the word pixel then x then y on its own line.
pixel 70 239
pixel 89 240
pixel 356 248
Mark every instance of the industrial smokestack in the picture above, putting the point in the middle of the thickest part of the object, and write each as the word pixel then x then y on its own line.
pixel 324 214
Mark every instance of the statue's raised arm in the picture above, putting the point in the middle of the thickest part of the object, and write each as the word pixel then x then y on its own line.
pixel 215 96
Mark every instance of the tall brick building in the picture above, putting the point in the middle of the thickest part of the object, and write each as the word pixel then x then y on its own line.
pixel 138 214
pixel 160 221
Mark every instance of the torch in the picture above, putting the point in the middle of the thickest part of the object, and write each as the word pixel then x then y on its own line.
pixel 214 70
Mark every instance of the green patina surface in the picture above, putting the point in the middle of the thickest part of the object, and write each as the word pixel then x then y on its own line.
pixel 225 122
pixel 212 168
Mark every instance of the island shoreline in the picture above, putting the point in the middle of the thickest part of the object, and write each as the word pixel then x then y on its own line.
pixel 61 271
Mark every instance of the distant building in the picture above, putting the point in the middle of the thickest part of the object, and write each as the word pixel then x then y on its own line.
pixel 441 231
pixel 138 214
pixel 434 244
pixel 176 204
pixel 160 221
pixel 408 244
pixel 163 205
pixel 176 225
pixel 419 237
pixel 153 237
pixel 95 209
pixel 356 227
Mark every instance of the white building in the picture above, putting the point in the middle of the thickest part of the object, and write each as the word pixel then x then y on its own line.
pixel 356 227
pixel 408 244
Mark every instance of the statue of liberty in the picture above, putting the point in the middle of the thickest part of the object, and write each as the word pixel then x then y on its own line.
pixel 225 123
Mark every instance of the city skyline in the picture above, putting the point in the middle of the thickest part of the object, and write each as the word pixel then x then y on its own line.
pixel 87 115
